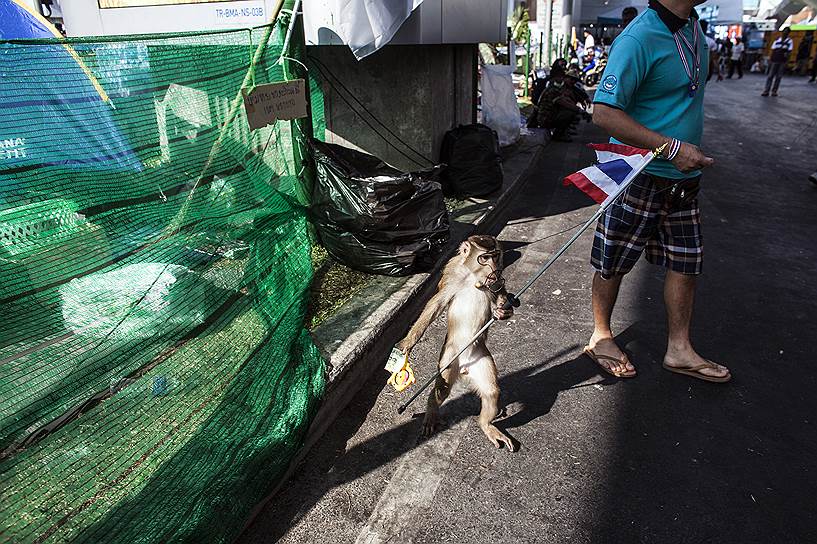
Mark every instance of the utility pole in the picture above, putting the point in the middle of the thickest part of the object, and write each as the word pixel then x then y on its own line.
pixel 567 21
pixel 577 16
pixel 549 29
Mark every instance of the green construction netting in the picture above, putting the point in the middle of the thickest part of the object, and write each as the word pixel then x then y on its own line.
pixel 155 374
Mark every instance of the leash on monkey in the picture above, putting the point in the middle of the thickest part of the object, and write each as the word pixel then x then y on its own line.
pixel 402 374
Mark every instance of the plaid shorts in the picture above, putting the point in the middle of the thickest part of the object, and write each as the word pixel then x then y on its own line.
pixel 656 216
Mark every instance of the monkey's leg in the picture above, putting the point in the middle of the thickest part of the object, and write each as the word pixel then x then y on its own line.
pixel 442 388
pixel 483 375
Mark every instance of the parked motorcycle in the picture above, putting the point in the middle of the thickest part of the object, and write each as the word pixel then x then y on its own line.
pixel 591 73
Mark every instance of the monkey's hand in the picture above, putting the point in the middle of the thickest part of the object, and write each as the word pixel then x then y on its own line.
pixel 404 346
pixel 499 312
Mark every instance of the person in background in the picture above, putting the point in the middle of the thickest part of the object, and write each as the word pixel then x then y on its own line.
pixel 557 70
pixel 589 42
pixel 724 54
pixel 804 52
pixel 627 15
pixel 737 59
pixel 558 107
pixel 813 70
pixel 712 45
pixel 781 48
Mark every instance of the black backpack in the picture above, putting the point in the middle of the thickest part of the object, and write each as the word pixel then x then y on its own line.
pixel 473 166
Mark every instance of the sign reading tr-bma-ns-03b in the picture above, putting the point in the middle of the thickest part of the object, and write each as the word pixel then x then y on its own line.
pixel 108 4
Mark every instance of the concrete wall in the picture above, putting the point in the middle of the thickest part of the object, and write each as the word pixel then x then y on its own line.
pixel 432 22
pixel 418 91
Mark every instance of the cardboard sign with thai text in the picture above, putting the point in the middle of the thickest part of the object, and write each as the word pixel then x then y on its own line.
pixel 270 102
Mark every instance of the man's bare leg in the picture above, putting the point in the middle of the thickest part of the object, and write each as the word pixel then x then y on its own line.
pixel 605 293
pixel 679 297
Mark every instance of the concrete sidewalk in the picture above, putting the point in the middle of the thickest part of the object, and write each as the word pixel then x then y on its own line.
pixel 661 458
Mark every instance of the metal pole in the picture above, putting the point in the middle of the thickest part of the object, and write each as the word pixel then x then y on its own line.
pixel 484 328
pixel 511 56
pixel 293 17
pixel 294 56
pixel 527 64
pixel 513 300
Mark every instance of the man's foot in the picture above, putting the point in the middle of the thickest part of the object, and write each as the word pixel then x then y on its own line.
pixel 606 354
pixel 813 178
pixel 689 363
pixel 774 93
pixel 764 93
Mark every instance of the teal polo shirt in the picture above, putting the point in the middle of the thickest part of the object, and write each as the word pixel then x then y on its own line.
pixel 645 78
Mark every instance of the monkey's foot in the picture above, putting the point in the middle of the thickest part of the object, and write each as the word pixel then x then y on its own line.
pixel 431 424
pixel 498 438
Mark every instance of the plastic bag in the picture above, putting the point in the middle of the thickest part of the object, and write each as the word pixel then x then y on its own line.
pixel 374 218
pixel 499 108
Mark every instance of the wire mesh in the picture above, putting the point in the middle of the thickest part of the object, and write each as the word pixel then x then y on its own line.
pixel 155 374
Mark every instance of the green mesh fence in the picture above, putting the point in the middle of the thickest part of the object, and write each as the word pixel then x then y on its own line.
pixel 155 374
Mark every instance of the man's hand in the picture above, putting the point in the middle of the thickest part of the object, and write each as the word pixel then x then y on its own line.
pixel 626 129
pixel 691 158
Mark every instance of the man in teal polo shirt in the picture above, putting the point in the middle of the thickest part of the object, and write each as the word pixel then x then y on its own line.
pixel 652 94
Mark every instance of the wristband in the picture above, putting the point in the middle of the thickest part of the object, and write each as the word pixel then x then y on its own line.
pixel 674 147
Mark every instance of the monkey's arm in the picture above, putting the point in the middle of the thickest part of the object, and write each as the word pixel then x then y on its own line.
pixel 433 309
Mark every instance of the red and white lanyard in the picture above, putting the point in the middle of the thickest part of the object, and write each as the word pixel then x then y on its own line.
pixel 694 76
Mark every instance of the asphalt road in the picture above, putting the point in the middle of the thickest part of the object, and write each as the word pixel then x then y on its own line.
pixel 661 458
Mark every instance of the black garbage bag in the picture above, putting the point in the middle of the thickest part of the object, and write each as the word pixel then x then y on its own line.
pixel 473 165
pixel 375 218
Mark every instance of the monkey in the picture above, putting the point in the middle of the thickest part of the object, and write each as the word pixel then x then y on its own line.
pixel 470 290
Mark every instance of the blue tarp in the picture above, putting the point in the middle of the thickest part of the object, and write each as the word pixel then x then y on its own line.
pixel 53 111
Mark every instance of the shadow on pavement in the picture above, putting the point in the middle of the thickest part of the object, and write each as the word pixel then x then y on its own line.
pixel 535 388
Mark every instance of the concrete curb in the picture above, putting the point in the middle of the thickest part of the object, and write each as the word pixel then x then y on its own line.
pixel 365 348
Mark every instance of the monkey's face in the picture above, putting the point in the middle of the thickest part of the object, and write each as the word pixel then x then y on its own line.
pixel 482 255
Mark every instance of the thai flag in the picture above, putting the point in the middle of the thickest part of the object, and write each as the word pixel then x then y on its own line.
pixel 616 165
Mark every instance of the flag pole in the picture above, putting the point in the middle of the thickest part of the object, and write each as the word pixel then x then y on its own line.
pixel 513 299
pixel 603 208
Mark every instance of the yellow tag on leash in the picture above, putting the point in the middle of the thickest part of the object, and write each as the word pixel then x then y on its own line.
pixel 402 376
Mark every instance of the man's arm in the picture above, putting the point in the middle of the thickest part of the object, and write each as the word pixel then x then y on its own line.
pixel 625 129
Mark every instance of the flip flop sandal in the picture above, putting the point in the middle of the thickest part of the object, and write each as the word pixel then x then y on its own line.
pixel 596 359
pixel 694 372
